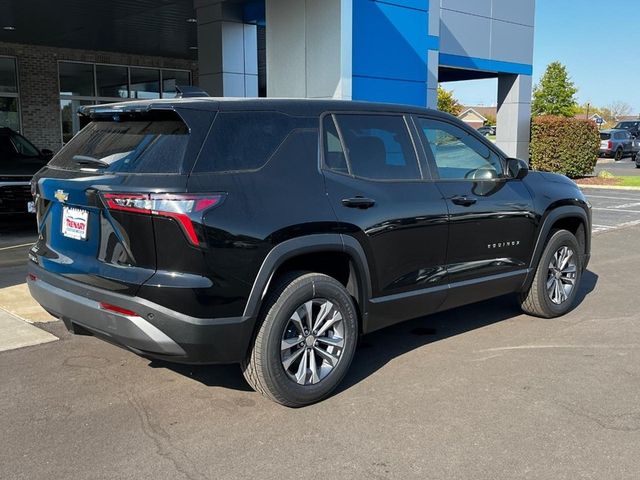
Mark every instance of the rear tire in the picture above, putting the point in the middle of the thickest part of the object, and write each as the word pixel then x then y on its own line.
pixel 618 155
pixel 299 356
pixel 557 278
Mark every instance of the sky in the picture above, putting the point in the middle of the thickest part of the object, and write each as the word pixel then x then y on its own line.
pixel 597 40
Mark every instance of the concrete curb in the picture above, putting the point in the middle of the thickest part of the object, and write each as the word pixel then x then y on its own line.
pixel 610 187
pixel 16 333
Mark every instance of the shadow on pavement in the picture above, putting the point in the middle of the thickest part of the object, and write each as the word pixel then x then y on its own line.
pixel 377 349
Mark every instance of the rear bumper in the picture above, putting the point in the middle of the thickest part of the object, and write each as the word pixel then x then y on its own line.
pixel 155 332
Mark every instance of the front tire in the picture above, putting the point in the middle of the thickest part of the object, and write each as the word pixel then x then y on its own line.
pixel 306 340
pixel 557 278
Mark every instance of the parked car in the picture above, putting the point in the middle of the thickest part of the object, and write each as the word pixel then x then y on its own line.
pixel 272 233
pixel 617 144
pixel 19 160
pixel 487 130
pixel 632 126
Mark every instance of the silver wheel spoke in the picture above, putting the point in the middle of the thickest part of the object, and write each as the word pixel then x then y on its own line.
pixel 550 282
pixel 565 260
pixel 337 317
pixel 301 374
pixel 290 342
pixel 308 307
pixel 294 356
pixel 334 342
pixel 297 322
pixel 333 360
pixel 322 315
pixel 315 377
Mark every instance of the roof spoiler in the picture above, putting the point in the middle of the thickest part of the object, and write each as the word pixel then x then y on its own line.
pixel 188 91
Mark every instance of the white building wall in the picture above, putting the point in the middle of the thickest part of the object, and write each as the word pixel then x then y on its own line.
pixel 308 45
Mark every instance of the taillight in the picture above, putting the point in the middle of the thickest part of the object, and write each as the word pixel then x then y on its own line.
pixel 609 145
pixel 182 207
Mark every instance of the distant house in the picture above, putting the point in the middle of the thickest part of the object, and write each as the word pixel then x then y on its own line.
pixel 627 118
pixel 595 118
pixel 476 117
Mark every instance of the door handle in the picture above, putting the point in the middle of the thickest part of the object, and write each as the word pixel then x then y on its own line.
pixel 358 202
pixel 463 200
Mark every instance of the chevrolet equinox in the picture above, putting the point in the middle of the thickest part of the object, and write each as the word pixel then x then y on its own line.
pixel 272 233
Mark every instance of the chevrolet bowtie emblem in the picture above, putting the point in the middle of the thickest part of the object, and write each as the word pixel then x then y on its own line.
pixel 61 195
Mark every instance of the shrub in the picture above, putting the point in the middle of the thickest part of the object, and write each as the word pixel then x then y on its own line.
pixel 564 145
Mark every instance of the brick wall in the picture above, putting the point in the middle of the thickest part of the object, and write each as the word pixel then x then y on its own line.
pixel 38 84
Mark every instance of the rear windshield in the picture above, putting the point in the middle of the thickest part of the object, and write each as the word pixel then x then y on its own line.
pixel 605 136
pixel 133 146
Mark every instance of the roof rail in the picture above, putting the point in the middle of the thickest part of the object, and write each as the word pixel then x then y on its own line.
pixel 187 91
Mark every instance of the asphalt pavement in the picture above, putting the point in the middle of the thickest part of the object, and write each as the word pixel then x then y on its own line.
pixel 480 392
pixel 623 168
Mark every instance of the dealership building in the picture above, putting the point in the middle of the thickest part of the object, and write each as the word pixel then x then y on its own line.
pixel 70 53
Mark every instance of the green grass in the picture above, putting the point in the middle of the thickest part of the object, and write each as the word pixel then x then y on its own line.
pixel 629 181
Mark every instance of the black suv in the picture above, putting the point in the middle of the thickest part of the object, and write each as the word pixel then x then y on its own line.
pixel 19 160
pixel 272 233
pixel 633 127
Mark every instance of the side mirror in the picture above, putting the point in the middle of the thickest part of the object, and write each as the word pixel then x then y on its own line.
pixel 46 152
pixel 517 168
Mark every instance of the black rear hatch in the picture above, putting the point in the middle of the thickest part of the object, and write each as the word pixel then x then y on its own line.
pixel 91 198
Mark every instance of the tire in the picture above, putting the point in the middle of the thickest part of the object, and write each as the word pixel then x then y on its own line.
pixel 282 319
pixel 619 154
pixel 539 301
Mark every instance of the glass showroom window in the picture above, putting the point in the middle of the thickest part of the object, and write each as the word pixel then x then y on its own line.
pixel 89 84
pixel 9 101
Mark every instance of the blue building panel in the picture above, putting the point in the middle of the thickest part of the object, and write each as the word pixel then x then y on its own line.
pixel 415 4
pixel 485 65
pixel 390 42
pixel 389 91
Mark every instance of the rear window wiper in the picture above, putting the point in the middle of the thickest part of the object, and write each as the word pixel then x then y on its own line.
pixel 88 161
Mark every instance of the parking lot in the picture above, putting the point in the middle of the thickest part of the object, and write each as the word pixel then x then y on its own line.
pixel 479 392
pixel 614 209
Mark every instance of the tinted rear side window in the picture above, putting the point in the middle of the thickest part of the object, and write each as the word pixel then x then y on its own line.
pixel 379 147
pixel 141 146
pixel 245 140
pixel 605 136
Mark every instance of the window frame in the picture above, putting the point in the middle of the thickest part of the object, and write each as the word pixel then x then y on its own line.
pixel 15 95
pixel 408 125
pixel 431 161
pixel 96 99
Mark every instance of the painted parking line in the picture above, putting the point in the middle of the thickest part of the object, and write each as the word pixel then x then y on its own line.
pixel 628 205
pixel 615 210
pixel 16 246
pixel 611 198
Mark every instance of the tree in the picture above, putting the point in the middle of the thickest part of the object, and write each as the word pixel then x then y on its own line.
pixel 618 109
pixel 448 103
pixel 555 94
pixel 491 119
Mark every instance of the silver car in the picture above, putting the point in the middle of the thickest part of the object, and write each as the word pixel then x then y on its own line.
pixel 618 143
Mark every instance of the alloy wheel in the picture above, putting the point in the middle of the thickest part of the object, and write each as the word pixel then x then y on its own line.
pixel 312 342
pixel 562 274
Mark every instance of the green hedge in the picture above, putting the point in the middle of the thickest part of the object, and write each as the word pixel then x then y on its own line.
pixel 564 145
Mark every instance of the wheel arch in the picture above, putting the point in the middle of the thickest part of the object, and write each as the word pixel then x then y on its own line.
pixel 568 217
pixel 324 253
